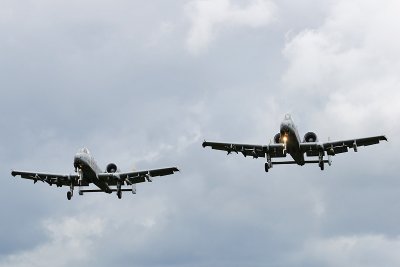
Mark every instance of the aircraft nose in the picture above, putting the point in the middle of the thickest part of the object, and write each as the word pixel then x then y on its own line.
pixel 77 159
pixel 284 128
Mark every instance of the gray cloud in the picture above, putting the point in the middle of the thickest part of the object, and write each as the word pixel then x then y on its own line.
pixel 118 78
pixel 208 17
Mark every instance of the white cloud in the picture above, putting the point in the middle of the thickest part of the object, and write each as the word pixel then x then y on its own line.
pixel 209 16
pixel 350 64
pixel 133 96
pixel 354 251
pixel 70 240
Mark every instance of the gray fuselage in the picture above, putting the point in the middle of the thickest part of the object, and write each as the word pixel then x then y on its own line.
pixel 291 136
pixel 89 170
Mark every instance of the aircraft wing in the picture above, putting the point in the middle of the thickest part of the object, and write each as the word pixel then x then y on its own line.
pixel 255 151
pixel 336 147
pixel 135 176
pixel 50 178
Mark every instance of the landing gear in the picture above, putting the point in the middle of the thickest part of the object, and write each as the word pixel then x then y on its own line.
pixel 321 161
pixel 268 164
pixel 284 139
pixel 70 193
pixel 119 191
pixel 321 165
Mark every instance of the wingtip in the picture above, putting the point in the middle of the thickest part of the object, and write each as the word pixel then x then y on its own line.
pixel 385 138
pixel 175 169
pixel 204 143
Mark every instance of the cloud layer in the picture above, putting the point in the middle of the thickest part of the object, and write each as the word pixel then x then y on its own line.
pixel 208 18
pixel 142 84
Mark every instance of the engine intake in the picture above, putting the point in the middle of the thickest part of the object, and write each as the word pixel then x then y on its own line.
pixel 310 137
pixel 277 138
pixel 111 168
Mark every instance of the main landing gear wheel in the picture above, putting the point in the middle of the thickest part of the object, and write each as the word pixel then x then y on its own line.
pixel 69 195
pixel 119 194
pixel 266 167
pixel 321 160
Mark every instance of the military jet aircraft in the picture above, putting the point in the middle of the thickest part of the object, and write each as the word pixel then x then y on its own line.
pixel 88 172
pixel 287 141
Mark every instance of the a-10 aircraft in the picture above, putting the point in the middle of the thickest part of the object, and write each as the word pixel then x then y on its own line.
pixel 288 142
pixel 88 172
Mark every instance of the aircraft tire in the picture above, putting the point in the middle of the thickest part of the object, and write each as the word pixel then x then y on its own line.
pixel 321 165
pixel 69 195
pixel 266 167
pixel 119 194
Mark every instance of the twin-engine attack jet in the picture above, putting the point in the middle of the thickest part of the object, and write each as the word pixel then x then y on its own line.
pixel 288 142
pixel 88 172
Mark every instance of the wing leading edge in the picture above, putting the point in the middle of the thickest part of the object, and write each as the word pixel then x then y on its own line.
pixel 335 147
pixel 50 178
pixel 255 151
pixel 136 176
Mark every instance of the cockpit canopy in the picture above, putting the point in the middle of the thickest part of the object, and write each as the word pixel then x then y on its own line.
pixel 84 150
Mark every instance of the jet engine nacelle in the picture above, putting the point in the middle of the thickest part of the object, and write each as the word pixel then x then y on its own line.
pixel 310 137
pixel 277 138
pixel 111 168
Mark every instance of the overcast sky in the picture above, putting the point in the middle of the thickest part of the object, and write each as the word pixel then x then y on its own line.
pixel 143 83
